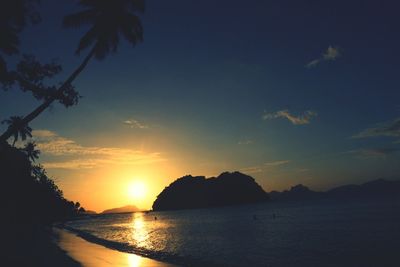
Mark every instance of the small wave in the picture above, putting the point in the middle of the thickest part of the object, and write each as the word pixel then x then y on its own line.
pixel 156 255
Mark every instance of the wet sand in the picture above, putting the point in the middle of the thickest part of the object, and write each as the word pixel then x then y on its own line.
pixel 93 255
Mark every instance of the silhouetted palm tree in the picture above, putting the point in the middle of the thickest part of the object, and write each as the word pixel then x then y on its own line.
pixel 23 130
pixel 108 20
pixel 31 151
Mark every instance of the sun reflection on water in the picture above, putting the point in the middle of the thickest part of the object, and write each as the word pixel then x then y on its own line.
pixel 139 233
pixel 134 260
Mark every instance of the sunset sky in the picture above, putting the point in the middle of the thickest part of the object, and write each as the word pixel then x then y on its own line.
pixel 286 91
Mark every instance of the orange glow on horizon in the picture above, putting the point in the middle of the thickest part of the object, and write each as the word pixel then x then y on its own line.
pixel 114 186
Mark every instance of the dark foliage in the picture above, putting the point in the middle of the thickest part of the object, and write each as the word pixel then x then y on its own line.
pixel 29 196
pixel 107 20
pixel 30 75
pixel 191 192
pixel 33 76
pixel 31 202
pixel 23 130
pixel 14 15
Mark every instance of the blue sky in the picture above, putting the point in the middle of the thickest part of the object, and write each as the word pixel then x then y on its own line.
pixel 287 91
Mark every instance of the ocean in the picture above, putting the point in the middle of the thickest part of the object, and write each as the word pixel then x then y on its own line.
pixel 308 233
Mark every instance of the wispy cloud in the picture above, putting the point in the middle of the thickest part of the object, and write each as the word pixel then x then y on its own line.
pixel 72 164
pixel 276 163
pixel 66 153
pixel 301 119
pixel 390 128
pixel 265 166
pixel 251 170
pixel 135 124
pixel 373 152
pixel 331 54
pixel 44 134
pixel 245 142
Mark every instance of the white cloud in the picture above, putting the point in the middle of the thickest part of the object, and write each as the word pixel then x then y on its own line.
pixel 301 119
pixel 66 153
pixel 135 124
pixel 331 54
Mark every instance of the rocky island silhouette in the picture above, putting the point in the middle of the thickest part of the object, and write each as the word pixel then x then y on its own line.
pixel 229 188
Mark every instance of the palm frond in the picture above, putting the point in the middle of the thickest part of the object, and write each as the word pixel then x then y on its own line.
pixel 28 131
pixel 132 29
pixel 89 3
pixel 9 40
pixel 81 18
pixel 114 41
pixel 31 151
pixel 137 5
pixel 110 19
pixel 19 128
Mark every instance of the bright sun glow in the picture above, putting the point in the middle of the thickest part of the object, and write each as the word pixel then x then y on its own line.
pixel 137 190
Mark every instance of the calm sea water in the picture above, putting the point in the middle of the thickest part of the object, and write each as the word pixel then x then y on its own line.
pixel 325 233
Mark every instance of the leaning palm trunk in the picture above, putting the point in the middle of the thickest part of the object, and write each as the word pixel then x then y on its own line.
pixel 28 118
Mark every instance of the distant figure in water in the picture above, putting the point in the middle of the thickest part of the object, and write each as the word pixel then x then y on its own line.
pixel 155 218
pixel 255 217
pixel 273 216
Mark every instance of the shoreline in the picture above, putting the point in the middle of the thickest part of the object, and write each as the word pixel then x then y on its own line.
pixel 90 254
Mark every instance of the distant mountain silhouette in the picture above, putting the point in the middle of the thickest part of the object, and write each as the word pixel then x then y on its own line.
pixel 89 212
pixel 296 192
pixel 191 192
pixel 374 189
pixel 124 209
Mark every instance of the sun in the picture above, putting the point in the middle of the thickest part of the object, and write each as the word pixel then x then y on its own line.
pixel 137 190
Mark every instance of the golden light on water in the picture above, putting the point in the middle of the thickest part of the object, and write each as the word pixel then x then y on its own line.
pixel 139 233
pixel 134 260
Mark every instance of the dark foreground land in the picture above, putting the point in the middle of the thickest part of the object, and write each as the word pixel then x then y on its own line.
pixel 34 247
pixel 31 203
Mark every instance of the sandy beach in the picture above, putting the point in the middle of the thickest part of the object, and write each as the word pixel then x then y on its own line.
pixel 93 255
